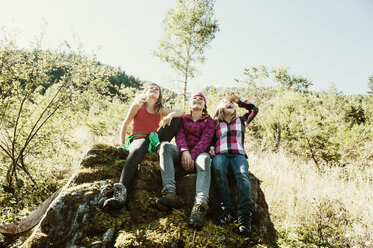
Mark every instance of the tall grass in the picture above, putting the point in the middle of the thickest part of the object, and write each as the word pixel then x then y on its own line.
pixel 309 208
pixel 332 208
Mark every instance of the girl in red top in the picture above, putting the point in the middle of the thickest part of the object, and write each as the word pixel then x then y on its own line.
pixel 146 112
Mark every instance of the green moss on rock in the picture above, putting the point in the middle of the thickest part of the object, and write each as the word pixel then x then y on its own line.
pixel 75 219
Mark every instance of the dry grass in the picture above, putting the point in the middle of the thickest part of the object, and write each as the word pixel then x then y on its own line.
pixel 333 208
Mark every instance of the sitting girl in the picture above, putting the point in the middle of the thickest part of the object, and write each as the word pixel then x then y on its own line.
pixel 193 139
pixel 146 112
pixel 229 153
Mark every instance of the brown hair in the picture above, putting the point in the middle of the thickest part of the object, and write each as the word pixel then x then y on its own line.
pixel 158 104
pixel 219 114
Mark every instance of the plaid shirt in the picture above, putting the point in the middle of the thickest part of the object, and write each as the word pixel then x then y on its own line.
pixel 229 138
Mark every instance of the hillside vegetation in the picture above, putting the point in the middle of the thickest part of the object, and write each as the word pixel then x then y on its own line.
pixel 312 150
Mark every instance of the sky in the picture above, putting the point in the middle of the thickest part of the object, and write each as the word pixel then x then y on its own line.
pixel 328 41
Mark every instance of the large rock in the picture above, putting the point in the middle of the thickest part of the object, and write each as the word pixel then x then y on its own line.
pixel 76 220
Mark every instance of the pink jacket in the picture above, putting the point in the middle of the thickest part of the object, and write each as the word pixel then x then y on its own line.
pixel 195 136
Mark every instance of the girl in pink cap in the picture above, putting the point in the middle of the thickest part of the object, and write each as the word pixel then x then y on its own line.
pixel 193 140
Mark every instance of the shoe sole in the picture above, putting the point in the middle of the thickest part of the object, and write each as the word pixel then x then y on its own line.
pixel 195 225
pixel 161 206
pixel 112 205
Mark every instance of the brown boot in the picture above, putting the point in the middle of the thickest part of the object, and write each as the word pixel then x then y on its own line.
pixel 197 217
pixel 168 201
pixel 119 198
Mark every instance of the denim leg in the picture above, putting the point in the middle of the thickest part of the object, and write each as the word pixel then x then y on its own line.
pixel 137 149
pixel 168 153
pixel 203 167
pixel 220 165
pixel 240 168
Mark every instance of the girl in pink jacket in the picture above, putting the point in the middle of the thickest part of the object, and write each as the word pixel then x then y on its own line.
pixel 193 140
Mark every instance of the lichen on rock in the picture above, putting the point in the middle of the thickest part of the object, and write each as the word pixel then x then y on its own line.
pixel 75 218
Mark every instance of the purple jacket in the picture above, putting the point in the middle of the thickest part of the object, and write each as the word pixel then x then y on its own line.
pixel 195 136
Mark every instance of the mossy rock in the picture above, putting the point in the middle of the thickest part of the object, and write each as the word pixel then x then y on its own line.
pixel 75 218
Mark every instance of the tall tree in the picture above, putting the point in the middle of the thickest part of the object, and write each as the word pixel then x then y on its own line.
pixel 189 29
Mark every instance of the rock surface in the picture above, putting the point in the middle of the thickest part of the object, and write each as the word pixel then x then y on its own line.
pixel 75 218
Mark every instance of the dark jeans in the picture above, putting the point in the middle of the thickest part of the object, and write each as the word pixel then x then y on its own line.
pixel 139 147
pixel 240 168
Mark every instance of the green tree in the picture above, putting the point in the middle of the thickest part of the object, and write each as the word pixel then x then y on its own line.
pixel 189 29
pixel 253 76
pixel 36 87
pixel 282 76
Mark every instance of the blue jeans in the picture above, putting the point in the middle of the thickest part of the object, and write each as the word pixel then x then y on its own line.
pixel 170 156
pixel 240 168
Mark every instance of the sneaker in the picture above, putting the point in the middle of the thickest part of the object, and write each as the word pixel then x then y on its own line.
pixel 244 223
pixel 225 218
pixel 168 201
pixel 106 192
pixel 197 217
pixel 119 198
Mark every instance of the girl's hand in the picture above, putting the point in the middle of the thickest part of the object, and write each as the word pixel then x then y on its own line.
pixel 186 161
pixel 233 98
pixel 167 119
pixel 212 152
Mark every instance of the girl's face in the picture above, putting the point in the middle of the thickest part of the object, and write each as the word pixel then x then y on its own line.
pixel 228 107
pixel 153 92
pixel 197 103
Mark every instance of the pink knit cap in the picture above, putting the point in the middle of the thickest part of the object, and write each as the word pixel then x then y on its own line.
pixel 201 95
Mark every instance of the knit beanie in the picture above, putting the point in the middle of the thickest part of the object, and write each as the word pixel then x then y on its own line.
pixel 201 95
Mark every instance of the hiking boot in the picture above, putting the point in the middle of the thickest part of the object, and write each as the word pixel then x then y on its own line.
pixel 119 198
pixel 197 217
pixel 168 201
pixel 106 192
pixel 225 218
pixel 244 223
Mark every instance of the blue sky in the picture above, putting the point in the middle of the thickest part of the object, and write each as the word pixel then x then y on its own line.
pixel 327 41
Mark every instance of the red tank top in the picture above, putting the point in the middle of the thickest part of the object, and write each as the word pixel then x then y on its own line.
pixel 145 122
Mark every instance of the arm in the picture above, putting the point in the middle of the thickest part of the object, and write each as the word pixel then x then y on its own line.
pixel 135 107
pixel 212 145
pixel 180 138
pixel 187 162
pixel 205 140
pixel 252 110
pixel 168 114
pixel 244 103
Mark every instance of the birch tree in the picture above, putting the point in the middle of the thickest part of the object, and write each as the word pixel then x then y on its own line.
pixel 189 29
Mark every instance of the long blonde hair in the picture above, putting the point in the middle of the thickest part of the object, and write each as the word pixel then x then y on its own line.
pixel 219 114
pixel 158 104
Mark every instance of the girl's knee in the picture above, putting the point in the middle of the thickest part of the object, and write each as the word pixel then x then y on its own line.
pixel 165 147
pixel 203 161
pixel 242 176
pixel 139 151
